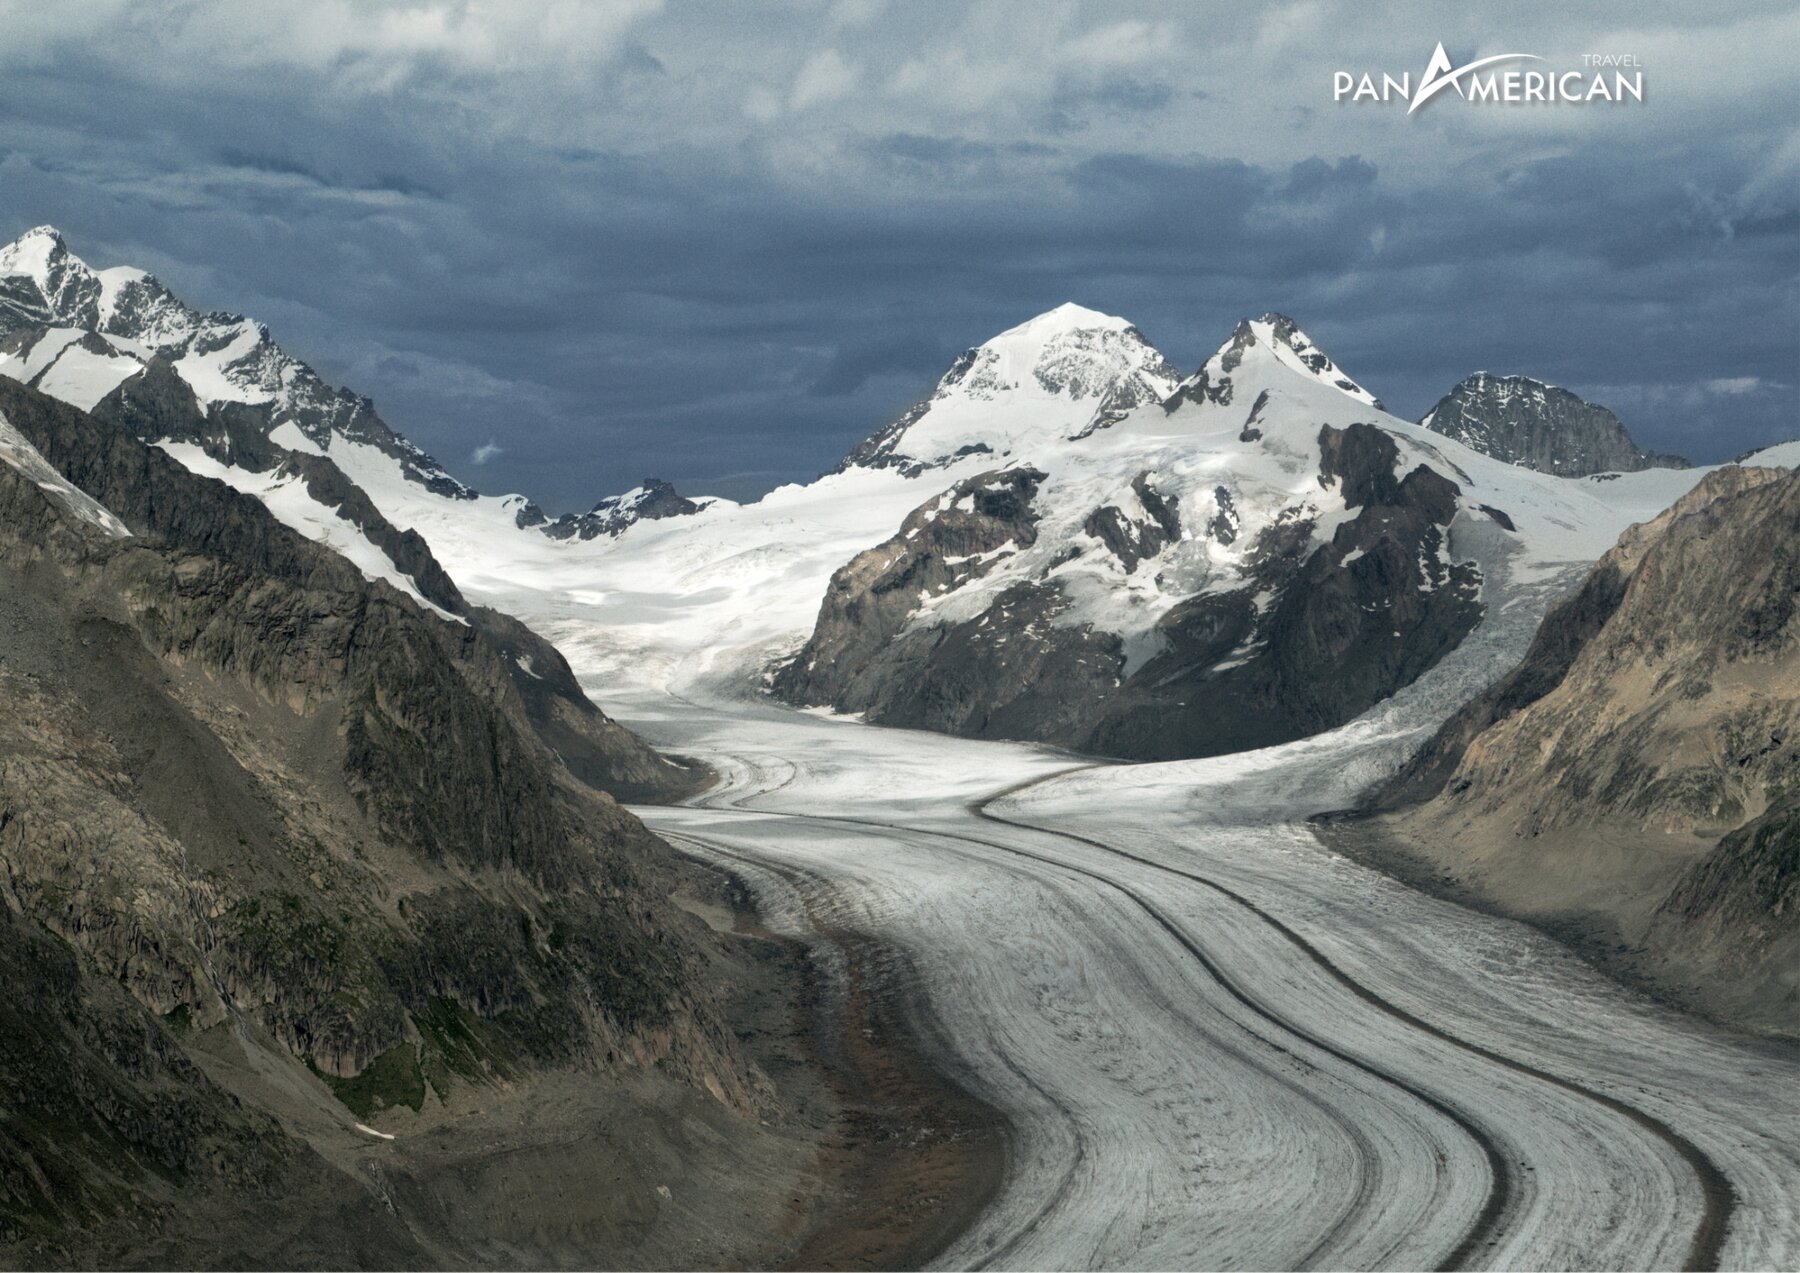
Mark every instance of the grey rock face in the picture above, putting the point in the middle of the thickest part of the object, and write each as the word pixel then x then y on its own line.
pixel 159 404
pixel 1339 628
pixel 1134 540
pixel 243 787
pixel 156 402
pixel 1539 426
pixel 850 662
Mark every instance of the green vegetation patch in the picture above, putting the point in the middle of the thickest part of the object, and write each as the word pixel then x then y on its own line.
pixel 459 1043
pixel 392 1079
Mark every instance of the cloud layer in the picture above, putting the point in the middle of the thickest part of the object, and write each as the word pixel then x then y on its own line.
pixel 587 242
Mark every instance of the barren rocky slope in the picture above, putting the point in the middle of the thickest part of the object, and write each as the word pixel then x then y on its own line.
pixel 283 850
pixel 157 405
pixel 1633 782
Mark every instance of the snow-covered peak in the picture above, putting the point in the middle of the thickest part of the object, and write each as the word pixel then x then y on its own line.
pixel 42 282
pixel 1063 374
pixel 38 255
pixel 78 334
pixel 1067 317
pixel 1257 344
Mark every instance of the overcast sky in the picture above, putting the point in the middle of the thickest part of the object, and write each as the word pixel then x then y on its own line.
pixel 568 245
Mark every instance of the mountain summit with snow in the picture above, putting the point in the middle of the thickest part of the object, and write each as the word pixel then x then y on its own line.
pixel 1063 374
pixel 1256 346
pixel 1260 554
pixel 78 334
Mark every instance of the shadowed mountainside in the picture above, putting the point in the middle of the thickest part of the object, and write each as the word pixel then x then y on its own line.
pixel 1633 782
pixel 278 840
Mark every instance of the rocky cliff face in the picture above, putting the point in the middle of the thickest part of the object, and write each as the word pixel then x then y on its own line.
pixel 1633 779
pixel 1313 638
pixel 159 406
pixel 253 803
pixel 1539 426
pixel 869 653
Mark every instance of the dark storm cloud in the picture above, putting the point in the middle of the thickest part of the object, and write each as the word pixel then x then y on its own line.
pixel 852 365
pixel 1315 178
pixel 1075 103
pixel 611 241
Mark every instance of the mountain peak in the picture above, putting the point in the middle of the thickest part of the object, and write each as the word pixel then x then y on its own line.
pixel 37 254
pixel 1067 317
pixel 1509 378
pixel 1265 342
pixel 40 232
pixel 651 500
pixel 129 319
pixel 1539 426
pixel 1062 374
pixel 1270 331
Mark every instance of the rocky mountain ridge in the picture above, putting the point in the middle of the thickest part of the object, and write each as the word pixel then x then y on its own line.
pixel 1633 781
pixel 78 333
pixel 1172 520
pixel 162 357
pixel 1539 426
pixel 1260 555
pixel 280 841
pixel 651 500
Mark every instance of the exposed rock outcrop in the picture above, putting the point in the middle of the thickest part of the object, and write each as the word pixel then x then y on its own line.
pixel 861 652
pixel 1539 426
pixel 1315 636
pixel 653 500
pixel 159 406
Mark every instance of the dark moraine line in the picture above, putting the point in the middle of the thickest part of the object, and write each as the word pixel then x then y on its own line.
pixel 1718 1196
pixel 793 876
pixel 1364 1151
pixel 920 1249
pixel 1502 1189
